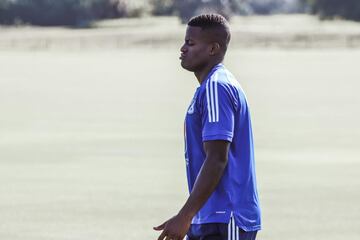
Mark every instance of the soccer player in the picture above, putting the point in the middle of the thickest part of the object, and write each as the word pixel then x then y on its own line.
pixel 223 202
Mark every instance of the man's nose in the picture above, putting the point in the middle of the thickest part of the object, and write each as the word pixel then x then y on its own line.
pixel 183 48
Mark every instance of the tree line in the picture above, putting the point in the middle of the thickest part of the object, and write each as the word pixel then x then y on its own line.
pixel 81 13
pixel 329 9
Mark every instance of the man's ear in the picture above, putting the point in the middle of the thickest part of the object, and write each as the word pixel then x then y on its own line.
pixel 214 48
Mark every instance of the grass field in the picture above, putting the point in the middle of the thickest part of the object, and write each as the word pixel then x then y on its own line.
pixel 91 141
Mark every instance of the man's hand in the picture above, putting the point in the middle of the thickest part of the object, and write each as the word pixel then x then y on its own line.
pixel 175 228
pixel 208 178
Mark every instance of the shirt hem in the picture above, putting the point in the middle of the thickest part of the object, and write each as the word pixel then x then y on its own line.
pixel 245 228
pixel 226 220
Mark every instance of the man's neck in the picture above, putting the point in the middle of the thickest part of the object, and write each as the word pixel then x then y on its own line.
pixel 202 74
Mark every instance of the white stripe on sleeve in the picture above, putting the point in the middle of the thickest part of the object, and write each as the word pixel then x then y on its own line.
pixel 216 102
pixel 212 100
pixel 208 101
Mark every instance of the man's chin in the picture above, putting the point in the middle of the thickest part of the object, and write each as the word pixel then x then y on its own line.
pixel 183 64
pixel 186 66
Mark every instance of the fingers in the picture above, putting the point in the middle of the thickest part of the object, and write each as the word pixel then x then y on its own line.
pixel 171 238
pixel 165 236
pixel 160 227
pixel 162 235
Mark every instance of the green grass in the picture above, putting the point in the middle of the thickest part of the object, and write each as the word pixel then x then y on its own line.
pixel 91 141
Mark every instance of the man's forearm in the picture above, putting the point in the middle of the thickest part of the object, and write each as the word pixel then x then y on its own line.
pixel 206 182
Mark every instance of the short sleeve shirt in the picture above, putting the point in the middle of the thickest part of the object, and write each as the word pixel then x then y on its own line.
pixel 219 111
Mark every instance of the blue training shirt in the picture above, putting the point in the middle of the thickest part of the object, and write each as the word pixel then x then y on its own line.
pixel 219 111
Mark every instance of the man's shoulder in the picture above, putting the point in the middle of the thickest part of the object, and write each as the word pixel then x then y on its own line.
pixel 221 82
pixel 224 78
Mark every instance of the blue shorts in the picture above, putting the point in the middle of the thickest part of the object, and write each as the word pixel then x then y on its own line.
pixel 219 231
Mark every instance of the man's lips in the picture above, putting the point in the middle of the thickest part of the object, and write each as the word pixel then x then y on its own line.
pixel 182 56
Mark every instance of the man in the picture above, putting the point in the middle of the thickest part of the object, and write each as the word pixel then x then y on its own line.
pixel 223 201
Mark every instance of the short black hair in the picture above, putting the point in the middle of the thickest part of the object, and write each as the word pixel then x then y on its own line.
pixel 215 23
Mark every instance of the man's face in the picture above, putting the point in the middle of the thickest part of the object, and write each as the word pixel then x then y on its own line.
pixel 195 51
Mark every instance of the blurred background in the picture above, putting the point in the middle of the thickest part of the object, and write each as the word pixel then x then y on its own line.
pixel 93 99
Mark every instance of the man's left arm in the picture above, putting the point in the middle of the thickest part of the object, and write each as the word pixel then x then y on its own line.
pixel 209 176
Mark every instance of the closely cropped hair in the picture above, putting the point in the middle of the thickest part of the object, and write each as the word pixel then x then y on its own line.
pixel 213 22
pixel 208 21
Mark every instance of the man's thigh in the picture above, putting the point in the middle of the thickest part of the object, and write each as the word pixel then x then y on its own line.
pixel 218 231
